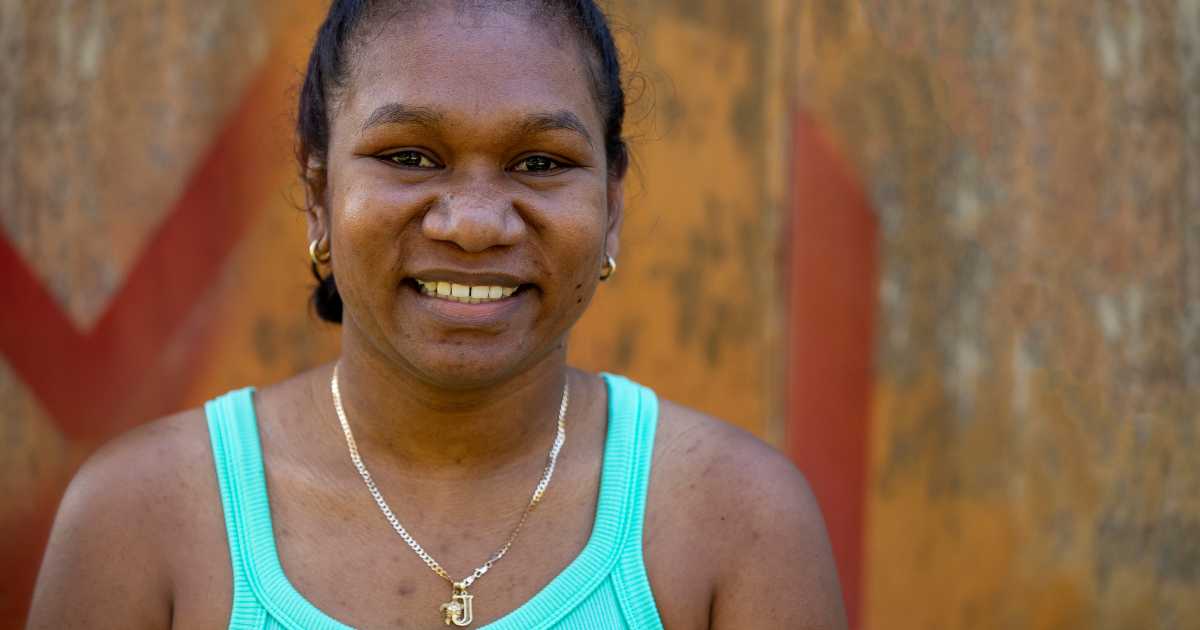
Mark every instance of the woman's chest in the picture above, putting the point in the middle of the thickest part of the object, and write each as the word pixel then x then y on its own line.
pixel 367 576
pixel 352 566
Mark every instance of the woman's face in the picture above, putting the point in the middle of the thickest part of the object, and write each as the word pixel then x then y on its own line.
pixel 467 157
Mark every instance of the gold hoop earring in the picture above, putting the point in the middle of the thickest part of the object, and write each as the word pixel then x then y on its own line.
pixel 608 269
pixel 318 258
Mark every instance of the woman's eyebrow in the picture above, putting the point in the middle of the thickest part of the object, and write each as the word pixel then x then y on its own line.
pixel 400 114
pixel 561 120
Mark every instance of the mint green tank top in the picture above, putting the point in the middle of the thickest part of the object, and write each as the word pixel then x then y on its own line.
pixel 605 587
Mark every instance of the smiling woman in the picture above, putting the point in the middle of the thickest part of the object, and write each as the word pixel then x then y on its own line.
pixel 464 165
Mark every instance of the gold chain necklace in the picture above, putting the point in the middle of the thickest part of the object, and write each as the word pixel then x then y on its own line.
pixel 459 610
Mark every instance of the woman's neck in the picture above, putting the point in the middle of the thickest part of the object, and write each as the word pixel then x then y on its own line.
pixel 425 428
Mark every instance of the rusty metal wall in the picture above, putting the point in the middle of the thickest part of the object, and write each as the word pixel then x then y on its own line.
pixel 1029 170
pixel 699 314
pixel 1035 169
pixel 152 255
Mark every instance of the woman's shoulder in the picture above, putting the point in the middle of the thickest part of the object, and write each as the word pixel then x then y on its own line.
pixel 165 467
pixel 150 471
pixel 114 550
pixel 735 514
pixel 724 467
pixel 151 453
pixel 143 455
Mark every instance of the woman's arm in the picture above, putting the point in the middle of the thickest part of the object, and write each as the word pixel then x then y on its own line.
pixel 103 566
pixel 783 575
pixel 739 518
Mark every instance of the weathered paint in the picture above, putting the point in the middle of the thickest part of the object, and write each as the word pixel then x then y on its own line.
pixel 1035 407
pixel 118 187
pixel 833 274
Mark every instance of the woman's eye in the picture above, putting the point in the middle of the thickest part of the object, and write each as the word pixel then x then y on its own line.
pixel 410 159
pixel 537 164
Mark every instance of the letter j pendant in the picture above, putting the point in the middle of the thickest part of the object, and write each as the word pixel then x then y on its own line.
pixel 458 611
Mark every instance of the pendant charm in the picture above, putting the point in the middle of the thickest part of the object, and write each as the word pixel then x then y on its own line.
pixel 458 611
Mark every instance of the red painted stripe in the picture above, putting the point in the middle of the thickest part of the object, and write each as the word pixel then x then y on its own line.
pixel 24 531
pixel 96 383
pixel 143 353
pixel 833 280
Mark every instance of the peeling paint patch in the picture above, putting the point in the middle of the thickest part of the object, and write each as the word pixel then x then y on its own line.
pixel 1109 317
pixel 1022 368
pixel 1108 50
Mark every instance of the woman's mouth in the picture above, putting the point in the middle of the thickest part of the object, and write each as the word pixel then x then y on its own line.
pixel 464 293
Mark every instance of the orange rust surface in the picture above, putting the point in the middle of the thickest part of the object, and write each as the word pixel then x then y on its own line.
pixel 1035 413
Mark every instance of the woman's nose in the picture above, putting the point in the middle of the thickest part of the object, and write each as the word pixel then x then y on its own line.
pixel 475 220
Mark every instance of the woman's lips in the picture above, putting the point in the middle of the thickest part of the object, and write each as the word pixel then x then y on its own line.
pixel 466 310
pixel 465 293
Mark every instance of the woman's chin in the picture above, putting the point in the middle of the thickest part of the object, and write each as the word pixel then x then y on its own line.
pixel 469 365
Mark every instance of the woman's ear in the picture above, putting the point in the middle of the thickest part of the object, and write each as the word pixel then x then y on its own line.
pixel 315 210
pixel 616 215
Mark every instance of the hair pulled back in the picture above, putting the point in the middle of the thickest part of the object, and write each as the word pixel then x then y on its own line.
pixel 329 66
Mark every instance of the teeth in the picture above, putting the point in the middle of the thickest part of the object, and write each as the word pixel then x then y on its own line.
pixel 467 294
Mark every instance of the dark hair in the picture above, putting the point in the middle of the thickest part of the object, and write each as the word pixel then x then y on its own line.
pixel 327 73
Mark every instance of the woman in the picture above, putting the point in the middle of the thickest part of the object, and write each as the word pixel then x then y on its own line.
pixel 464 163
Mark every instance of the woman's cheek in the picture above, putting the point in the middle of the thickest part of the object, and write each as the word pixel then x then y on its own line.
pixel 373 214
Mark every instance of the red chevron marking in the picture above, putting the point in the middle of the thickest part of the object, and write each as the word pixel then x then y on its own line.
pixel 834 273
pixel 96 383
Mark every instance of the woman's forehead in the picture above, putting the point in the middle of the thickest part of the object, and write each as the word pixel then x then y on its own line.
pixel 469 66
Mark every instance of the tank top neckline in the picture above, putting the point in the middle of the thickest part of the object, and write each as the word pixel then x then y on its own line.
pixel 616 513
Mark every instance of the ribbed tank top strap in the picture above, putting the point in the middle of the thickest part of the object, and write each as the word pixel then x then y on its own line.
pixel 630 579
pixel 614 550
pixel 260 589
